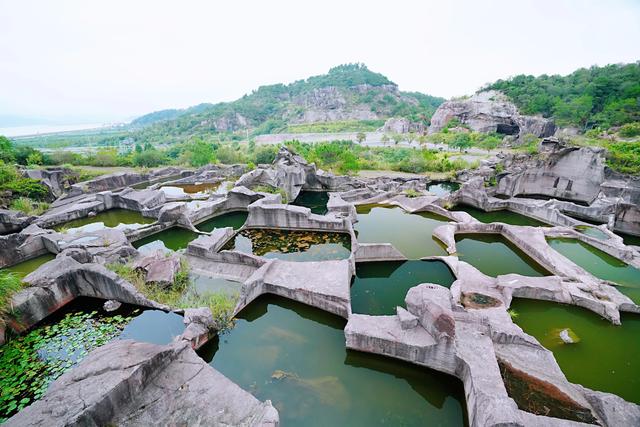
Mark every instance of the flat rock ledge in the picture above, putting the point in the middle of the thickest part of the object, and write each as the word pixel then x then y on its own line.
pixel 128 383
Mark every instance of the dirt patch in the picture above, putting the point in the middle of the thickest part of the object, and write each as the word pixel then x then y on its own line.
pixel 476 300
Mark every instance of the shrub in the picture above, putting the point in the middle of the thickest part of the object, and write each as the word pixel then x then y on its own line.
pixel 266 154
pixel 29 207
pixel 630 130
pixel 149 158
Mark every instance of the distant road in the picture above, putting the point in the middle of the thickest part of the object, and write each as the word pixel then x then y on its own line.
pixel 37 130
pixel 373 139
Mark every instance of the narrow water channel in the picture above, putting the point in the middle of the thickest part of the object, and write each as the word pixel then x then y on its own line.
pixel 113 218
pixel 601 265
pixel 174 238
pixel 314 200
pixel 231 219
pixel 379 287
pixel 24 268
pixel 494 255
pixel 504 216
pixel 606 357
pixel 411 234
pixel 295 356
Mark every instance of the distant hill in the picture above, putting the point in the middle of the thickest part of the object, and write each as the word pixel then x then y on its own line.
pixel 588 97
pixel 351 95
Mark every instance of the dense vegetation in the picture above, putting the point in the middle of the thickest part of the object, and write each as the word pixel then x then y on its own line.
pixel 588 97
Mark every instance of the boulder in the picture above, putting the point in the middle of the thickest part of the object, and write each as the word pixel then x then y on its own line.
pixel 490 111
pixel 160 268
pixel 111 305
pixel 431 304
pixel 407 320
pixel 13 221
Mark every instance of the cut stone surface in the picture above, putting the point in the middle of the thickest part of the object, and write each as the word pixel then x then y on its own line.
pixel 127 383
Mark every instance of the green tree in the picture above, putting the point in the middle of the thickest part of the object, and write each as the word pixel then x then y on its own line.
pixel 461 141
pixel 7 154
pixel 201 153
pixel 385 139
pixel 397 138
pixel 34 158
pixel 361 137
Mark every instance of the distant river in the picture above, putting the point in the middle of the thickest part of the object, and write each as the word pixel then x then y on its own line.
pixel 44 129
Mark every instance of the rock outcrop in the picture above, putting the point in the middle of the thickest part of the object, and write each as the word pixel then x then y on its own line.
pixel 572 173
pixel 490 111
pixel 13 221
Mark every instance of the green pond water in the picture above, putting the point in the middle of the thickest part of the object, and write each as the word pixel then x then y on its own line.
pixel 174 238
pixel 592 232
pixel 601 265
pixel 203 285
pixel 291 245
pixel 411 234
pixel 295 356
pixel 314 200
pixel 628 239
pixel 607 357
pixel 30 362
pixel 379 287
pixel 113 218
pixel 231 219
pixel 26 267
pixel 442 189
pixel 494 255
pixel 504 216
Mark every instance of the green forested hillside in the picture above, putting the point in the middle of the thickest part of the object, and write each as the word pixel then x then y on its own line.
pixel 348 91
pixel 588 97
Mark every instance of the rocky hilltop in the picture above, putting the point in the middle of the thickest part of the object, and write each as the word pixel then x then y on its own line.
pixel 490 111
pixel 346 93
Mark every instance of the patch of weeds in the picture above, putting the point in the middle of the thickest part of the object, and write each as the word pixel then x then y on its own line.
pixel 271 190
pixel 10 283
pixel 412 193
pixel 221 305
pixel 29 207
pixel 513 313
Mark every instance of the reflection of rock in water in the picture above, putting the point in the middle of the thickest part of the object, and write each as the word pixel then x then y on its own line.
pixel 328 389
pixel 282 334
pixel 539 397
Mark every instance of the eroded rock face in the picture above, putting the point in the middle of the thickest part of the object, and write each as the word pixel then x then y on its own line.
pixel 490 111
pixel 571 174
pixel 402 125
pixel 56 180
pixel 128 383
pixel 289 173
pixel 13 221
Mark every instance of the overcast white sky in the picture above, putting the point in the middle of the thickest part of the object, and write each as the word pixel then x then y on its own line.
pixel 82 60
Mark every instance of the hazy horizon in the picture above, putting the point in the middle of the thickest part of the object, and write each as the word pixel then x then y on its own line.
pixel 77 62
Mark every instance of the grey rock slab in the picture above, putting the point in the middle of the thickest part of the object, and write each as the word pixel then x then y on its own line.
pixel 128 383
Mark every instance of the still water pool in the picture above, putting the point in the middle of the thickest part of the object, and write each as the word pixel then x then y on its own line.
pixel 295 356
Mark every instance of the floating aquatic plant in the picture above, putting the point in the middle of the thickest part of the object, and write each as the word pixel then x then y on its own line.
pixel 30 363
